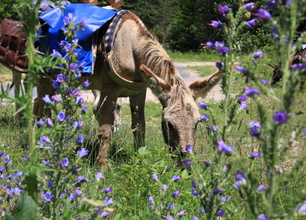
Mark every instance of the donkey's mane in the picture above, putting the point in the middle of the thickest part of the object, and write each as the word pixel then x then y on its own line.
pixel 158 61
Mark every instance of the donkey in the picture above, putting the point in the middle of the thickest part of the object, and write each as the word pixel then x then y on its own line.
pixel 138 61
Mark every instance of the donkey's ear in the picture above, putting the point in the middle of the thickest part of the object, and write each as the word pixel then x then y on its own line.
pixel 201 87
pixel 159 87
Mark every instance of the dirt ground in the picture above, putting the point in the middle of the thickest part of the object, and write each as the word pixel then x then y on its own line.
pixel 189 77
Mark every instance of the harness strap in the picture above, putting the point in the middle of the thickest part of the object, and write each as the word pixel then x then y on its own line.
pixel 109 36
pixel 119 79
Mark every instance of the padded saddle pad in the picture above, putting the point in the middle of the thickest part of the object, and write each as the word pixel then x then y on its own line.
pixel 13 45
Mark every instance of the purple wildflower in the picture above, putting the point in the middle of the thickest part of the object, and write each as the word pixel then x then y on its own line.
pixel 219 65
pixel 47 99
pixel 181 213
pixel 249 6
pixel 258 54
pixel 194 218
pixel 82 152
pixel 302 209
pixel 217 191
pixel 240 177
pixel 68 19
pixel 99 176
pixel 280 117
pixel 223 49
pixel 187 163
pixel 49 122
pixel 86 83
pixel 255 154
pixel 108 189
pixel 7 159
pixel 207 163
pixel 40 122
pixel 252 23
pixel 78 192
pixel 264 81
pixel 242 98
pixel 68 47
pixel 203 105
pixel 299 66
pixel 272 4
pixel 194 192
pixel 56 98
pixel 65 162
pixel 81 179
pixel 204 117
pixel 262 217
pixel 109 201
pixel 189 148
pixel 262 187
pixel 60 78
pixel 151 199
pixel 241 69
pixel 61 116
pixel 216 24
pixel 164 187
pixel 79 100
pixel 202 210
pixel 223 9
pixel 83 22
pixel 55 53
pixel 220 212
pixel 154 176
pixel 80 139
pixel 84 108
pixel 222 147
pixel 176 178
pixel 176 193
pixel 214 128
pixel 48 196
pixel 250 92
pixel 169 217
pixel 210 45
pixel 243 105
pixel 219 43
pixel 55 85
pixel 105 213
pixel 193 184
pixel 171 206
pixel 263 14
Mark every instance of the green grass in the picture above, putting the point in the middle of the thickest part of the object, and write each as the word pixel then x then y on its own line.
pixel 194 57
pixel 129 171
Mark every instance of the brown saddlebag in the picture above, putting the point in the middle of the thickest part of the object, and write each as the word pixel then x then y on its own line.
pixel 13 45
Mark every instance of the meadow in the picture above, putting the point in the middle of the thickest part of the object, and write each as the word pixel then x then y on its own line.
pixel 248 163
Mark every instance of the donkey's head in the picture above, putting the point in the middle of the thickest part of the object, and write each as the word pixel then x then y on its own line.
pixel 180 112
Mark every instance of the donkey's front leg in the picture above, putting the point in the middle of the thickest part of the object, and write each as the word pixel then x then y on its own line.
pixel 44 87
pixel 103 110
pixel 137 104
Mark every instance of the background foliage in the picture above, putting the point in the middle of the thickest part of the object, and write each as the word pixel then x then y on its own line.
pixel 180 25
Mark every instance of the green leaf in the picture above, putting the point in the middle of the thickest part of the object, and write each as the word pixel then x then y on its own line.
pixel 143 151
pixel 185 174
pixel 27 208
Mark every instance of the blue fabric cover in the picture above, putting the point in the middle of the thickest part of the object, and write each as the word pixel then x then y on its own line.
pixel 94 16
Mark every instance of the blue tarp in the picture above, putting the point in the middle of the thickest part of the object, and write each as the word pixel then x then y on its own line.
pixel 94 16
